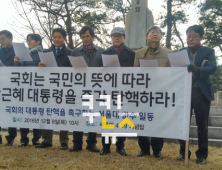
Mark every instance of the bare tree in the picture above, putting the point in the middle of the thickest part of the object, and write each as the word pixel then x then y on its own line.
pixel 70 15
pixel 174 14
pixel 32 21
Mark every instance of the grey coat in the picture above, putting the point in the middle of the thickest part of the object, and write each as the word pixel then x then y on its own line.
pixel 95 60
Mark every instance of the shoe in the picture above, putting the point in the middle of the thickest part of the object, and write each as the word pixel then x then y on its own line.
pixel 143 153
pixel 76 148
pixel 64 146
pixel 182 156
pixel 36 143
pixel 11 143
pixel 201 161
pixel 92 148
pixel 158 155
pixel 43 145
pixel 22 145
pixel 121 151
pixel 104 151
pixel 0 139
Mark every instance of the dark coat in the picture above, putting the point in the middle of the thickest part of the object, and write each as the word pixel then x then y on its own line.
pixel 126 57
pixel 7 56
pixel 62 59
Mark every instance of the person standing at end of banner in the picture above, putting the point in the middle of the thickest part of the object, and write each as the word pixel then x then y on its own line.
pixel 126 59
pixel 34 42
pixel 153 51
pixel 202 89
pixel 0 136
pixel 61 53
pixel 7 55
pixel 92 56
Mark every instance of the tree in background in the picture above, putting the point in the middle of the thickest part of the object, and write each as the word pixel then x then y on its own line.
pixel 121 6
pixel 217 79
pixel 42 16
pixel 67 14
pixel 173 15
pixel 35 22
pixel 210 18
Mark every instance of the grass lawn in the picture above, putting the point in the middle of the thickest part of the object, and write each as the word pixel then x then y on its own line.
pixel 29 158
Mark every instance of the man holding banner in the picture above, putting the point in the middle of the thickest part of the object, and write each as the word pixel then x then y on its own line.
pixel 126 59
pixel 202 65
pixel 7 55
pixel 155 52
pixel 61 53
pixel 92 55
pixel 34 42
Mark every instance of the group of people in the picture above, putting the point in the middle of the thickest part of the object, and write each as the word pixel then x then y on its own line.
pixel 202 90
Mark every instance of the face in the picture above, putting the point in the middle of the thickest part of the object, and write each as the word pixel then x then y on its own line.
pixel 32 43
pixel 193 39
pixel 154 36
pixel 5 41
pixel 58 39
pixel 118 39
pixel 87 39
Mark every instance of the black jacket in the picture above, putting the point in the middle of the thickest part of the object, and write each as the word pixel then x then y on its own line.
pixel 126 57
pixel 7 56
pixel 62 59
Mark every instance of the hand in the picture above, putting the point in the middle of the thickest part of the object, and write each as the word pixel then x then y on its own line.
pixel 41 64
pixel 16 60
pixel 192 68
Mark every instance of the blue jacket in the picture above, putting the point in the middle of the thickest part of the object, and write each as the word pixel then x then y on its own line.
pixel 7 56
pixel 202 78
pixel 62 59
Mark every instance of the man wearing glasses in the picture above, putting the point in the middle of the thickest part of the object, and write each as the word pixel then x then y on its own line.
pixel 203 64
pixel 7 55
pixel 126 59
pixel 152 51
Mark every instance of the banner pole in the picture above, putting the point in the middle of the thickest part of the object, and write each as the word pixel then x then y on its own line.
pixel 186 153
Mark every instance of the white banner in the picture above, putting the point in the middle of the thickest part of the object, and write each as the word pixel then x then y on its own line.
pixel 156 100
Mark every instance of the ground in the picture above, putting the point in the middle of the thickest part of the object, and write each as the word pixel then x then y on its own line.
pixel 29 158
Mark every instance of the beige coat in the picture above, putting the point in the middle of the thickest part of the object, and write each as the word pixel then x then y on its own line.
pixel 146 53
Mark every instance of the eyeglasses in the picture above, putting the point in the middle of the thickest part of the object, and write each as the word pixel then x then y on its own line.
pixel 155 32
pixel 192 36
pixel 117 36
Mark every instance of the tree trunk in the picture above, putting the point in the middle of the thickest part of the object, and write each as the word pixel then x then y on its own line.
pixel 220 48
pixel 178 34
pixel 69 26
pixel 169 23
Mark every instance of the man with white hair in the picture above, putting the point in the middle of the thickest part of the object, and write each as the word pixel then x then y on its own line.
pixel 152 51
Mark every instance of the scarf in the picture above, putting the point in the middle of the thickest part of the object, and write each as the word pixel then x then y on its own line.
pixel 89 49
pixel 35 49
pixel 119 49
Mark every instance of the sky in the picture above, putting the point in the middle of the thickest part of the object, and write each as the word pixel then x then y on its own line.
pixel 6 13
pixel 8 16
